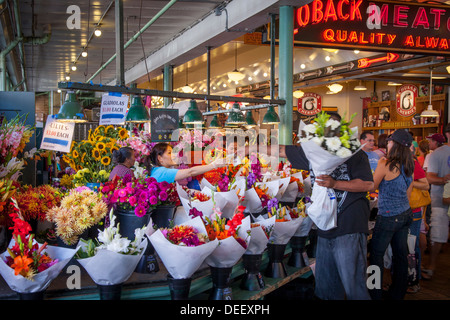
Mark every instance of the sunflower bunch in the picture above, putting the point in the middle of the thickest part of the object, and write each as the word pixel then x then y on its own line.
pixel 95 153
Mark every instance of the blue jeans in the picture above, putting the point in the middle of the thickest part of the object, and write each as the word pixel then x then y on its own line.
pixel 414 229
pixel 393 230
pixel 341 268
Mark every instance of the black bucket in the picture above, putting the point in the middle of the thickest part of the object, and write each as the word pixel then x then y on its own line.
pixel 162 215
pixel 179 288
pixel 275 267
pixel 298 255
pixel 110 292
pixel 221 289
pixel 129 222
pixel 252 279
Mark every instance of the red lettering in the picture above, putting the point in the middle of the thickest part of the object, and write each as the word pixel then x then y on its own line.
pixel 353 37
pixel 391 38
pixel 418 44
pixel 409 41
pixel 303 16
pixel 443 44
pixel 317 14
pixel 354 10
pixel 341 35
pixel 380 37
pixel 340 13
pixel 328 35
pixel 431 42
pixel 437 17
pixel 361 38
pixel 330 11
pixel 421 19
pixel 400 13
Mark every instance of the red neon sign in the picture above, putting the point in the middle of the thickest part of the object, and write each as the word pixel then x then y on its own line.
pixel 366 62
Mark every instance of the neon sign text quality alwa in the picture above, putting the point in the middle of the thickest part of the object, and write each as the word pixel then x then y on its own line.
pixel 373 24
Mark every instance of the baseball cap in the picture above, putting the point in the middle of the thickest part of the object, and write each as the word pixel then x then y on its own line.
pixel 437 137
pixel 402 137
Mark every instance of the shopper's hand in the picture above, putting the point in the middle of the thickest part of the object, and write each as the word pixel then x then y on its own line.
pixel 219 163
pixel 325 181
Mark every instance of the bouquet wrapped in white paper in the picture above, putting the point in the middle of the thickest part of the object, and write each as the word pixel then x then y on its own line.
pixel 200 200
pixel 112 259
pixel 233 236
pixel 225 201
pixel 260 232
pixel 183 248
pixel 285 226
pixel 327 143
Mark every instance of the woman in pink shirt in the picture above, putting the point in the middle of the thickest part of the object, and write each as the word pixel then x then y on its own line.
pixel 124 160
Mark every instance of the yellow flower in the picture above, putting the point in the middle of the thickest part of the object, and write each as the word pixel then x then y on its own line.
pixel 109 129
pixel 123 133
pixel 106 161
pixel 100 146
pixel 75 153
pixel 96 154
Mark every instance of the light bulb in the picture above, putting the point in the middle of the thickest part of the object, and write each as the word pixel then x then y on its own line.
pixel 74 68
pixel 98 32
pixel 84 54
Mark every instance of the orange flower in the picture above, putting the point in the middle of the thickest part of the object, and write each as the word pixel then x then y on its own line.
pixel 21 264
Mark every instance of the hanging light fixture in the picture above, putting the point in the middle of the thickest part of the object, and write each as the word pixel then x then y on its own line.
pixel 84 53
pixel 235 117
pixel 71 110
pixel 271 117
pixel 298 94
pixel 214 123
pixel 393 84
pixel 98 31
pixel 186 88
pixel 193 115
pixel 335 87
pixel 235 75
pixel 429 112
pixel 360 87
pixel 138 112
pixel 250 120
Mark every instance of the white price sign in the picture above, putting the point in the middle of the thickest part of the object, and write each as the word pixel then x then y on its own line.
pixel 57 135
pixel 113 109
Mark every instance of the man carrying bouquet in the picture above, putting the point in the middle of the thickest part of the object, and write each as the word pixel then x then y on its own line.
pixel 341 256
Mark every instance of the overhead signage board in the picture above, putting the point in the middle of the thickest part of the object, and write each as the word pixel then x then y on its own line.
pixel 406 100
pixel 57 135
pixel 113 109
pixel 163 123
pixel 374 26
pixel 310 104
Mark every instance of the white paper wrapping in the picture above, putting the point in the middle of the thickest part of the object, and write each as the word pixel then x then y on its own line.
pixel 41 280
pixel 109 267
pixel 182 261
pixel 291 192
pixel 229 251
pixel 284 230
pixel 259 239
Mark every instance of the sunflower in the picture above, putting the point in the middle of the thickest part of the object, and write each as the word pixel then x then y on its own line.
pixel 82 157
pixel 113 148
pixel 100 146
pixel 96 154
pixel 106 161
pixel 109 130
pixel 75 154
pixel 123 134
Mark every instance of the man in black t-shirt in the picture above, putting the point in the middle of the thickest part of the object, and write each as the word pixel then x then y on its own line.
pixel 341 256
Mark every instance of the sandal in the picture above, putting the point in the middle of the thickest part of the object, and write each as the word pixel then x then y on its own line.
pixel 427 274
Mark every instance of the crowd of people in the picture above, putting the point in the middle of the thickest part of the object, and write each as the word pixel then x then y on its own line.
pixel 392 165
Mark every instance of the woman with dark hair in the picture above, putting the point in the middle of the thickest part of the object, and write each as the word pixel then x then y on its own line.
pixel 393 178
pixel 160 165
pixel 381 144
pixel 124 160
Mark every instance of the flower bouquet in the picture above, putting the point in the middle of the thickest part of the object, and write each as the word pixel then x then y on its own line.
pixel 200 200
pixel 182 249
pixel 327 144
pixel 234 236
pixel 111 259
pixel 27 266
pixel 80 210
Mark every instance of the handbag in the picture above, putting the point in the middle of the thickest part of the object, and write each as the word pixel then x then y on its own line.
pixel 419 198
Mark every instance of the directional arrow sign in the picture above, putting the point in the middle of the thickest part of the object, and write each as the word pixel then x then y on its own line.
pixel 347 66
pixel 366 62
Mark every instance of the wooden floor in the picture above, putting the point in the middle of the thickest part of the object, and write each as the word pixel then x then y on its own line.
pixel 438 288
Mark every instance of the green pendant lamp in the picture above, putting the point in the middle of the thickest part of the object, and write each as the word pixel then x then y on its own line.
pixel 250 120
pixel 71 110
pixel 193 115
pixel 214 123
pixel 271 117
pixel 138 112
pixel 235 117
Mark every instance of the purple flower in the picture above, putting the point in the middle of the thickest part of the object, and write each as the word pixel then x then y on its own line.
pixel 194 212
pixel 143 197
pixel 163 196
pixel 272 203
pixel 127 178
pixel 251 179
pixel 140 211
pixel 164 185
pixel 153 200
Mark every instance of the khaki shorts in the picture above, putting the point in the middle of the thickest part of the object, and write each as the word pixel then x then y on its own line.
pixel 439 225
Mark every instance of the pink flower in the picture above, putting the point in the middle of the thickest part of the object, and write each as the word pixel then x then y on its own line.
pixel 140 211
pixel 153 200
pixel 122 193
pixel 164 185
pixel 132 200
pixel 163 196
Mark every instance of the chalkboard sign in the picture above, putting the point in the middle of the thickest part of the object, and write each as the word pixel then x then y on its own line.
pixel 163 123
